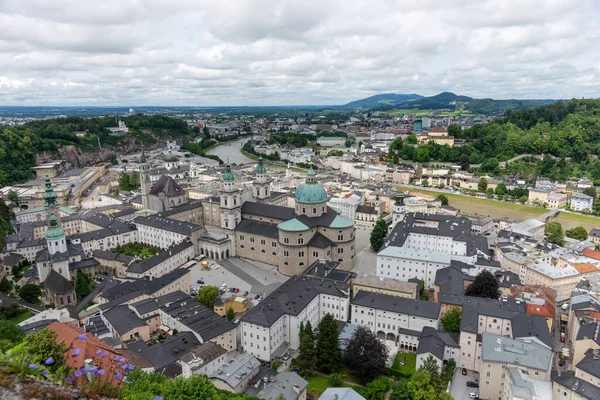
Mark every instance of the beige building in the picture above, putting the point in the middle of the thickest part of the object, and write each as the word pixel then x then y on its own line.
pixel 384 285
pixel 500 353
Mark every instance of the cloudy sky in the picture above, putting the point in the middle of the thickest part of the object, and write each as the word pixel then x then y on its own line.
pixel 290 52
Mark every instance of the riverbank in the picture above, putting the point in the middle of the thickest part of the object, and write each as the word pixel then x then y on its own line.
pixel 497 209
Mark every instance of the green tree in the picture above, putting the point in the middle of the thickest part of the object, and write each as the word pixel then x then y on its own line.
pixel 43 345
pixel 400 390
pixel 329 354
pixel 230 314
pixel 451 320
pixel 578 233
pixel 411 139
pixel 501 189
pixel 124 181
pixel 377 388
pixel 30 293
pixel 430 365
pixel 378 234
pixel 554 233
pixel 134 180
pixel 465 163
pixel 5 285
pixel 482 184
pixel 12 196
pixel 522 199
pixel 117 192
pixel 489 193
pixel 590 191
pixel 335 380
pixel 425 183
pixel 83 285
pixel 10 335
pixel 348 143
pixel 307 355
pixel 395 148
pixel 420 386
pixel 484 285
pixel 366 355
pixel 208 295
pixel 443 199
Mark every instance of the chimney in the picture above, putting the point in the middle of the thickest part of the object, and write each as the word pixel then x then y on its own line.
pixel 88 364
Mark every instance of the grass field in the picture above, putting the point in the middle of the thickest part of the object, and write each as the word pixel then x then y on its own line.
pixel 317 384
pixel 439 113
pixel 21 317
pixel 495 209
pixel 411 362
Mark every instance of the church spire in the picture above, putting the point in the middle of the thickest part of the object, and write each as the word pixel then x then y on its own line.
pixel 49 194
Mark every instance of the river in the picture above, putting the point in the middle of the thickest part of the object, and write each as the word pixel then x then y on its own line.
pixel 231 151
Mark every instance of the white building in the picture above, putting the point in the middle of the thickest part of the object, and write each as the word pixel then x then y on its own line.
pixel 581 202
pixel 396 319
pixel 420 245
pixel 347 204
pixel 272 327
pixel 165 232
pixel 162 263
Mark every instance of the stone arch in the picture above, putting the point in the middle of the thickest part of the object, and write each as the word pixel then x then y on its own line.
pixel 212 255
pixel 380 335
pixel 391 336
pixel 227 253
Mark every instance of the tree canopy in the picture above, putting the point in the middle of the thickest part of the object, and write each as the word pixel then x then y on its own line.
pixel 43 345
pixel 484 285
pixel 578 233
pixel 366 355
pixel 554 233
pixel 30 293
pixel 378 234
pixel 329 354
pixel 207 295
pixel 442 197
pixel 451 320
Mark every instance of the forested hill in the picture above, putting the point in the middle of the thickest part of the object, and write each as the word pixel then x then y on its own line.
pixel 19 145
pixel 564 130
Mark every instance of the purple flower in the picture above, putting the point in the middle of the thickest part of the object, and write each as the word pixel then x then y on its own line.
pixel 32 366
pixel 69 379
pixel 81 337
pixel 131 367
pixel 158 398
pixel 93 369
pixel 98 352
pixel 77 374
pixel 100 372
pixel 82 370
pixel 44 372
pixel 49 361
pixel 105 354
pixel 76 352
pixel 118 376
pixel 124 367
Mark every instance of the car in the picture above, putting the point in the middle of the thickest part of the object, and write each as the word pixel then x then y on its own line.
pixel 245 293
pixel 257 297
pixel 237 289
pixel 286 357
pixel 236 321
pixel 464 371
pixel 561 362
pixel 296 369
pixel 472 384
pixel 562 339
pixel 232 290
pixel 200 282
pixel 473 396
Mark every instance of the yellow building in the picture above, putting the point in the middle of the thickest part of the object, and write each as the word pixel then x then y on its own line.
pixel 389 286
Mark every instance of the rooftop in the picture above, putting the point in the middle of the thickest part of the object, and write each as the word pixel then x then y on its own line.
pixel 235 370
pixel 522 352
pixel 401 305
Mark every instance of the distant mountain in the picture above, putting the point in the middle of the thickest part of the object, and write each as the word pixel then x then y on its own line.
pixel 387 99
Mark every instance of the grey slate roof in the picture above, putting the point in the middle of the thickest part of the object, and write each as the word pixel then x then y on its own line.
pixel 253 227
pixel 320 241
pixel 380 301
pixel 521 352
pixel 145 306
pixel 502 308
pixel 434 342
pixel 12 259
pixel 139 267
pixel 340 394
pixel 163 354
pixel 96 326
pixel 86 263
pixel 196 316
pixel 171 225
pixel 284 386
pixel 192 205
pixel 268 210
pixel 167 186
pixel 579 386
pixel 590 363
pixel 57 283
pixel 291 298
pixel 107 255
pixel 236 370
pixel 37 326
pixel 123 319
pixel 366 210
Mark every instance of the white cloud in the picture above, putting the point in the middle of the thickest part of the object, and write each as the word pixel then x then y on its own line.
pixel 270 52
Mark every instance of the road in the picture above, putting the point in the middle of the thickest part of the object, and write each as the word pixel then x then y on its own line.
pixel 91 201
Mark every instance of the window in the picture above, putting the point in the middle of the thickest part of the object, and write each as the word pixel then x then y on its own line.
pixel 273 244
pixel 263 242
pixel 315 254
pixel 340 237
pixel 251 240
pixel 286 240
pixel 286 254
pixel 241 237
pixel 300 240
pixel 300 254
pixel 314 210
pixel 340 250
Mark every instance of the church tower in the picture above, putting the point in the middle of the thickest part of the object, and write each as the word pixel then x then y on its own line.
pixel 56 241
pixel 231 206
pixel 145 185
pixel 399 210
pixel 262 184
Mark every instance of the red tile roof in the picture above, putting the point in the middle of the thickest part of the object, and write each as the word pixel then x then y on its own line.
pixel 591 254
pixel 584 268
pixel 87 349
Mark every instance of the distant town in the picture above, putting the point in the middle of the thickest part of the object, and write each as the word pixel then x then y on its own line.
pixel 261 251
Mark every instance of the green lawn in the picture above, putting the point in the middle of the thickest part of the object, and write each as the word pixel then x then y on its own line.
pixel 411 363
pixel 136 249
pixel 21 317
pixel 317 384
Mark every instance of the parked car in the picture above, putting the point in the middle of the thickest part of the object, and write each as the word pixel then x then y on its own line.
pixel 245 293
pixel 472 384
pixel 257 297
pixel 561 362
pixel 200 282
pixel 236 321
pixel 236 290
pixel 296 369
pixel 464 371
pixel 232 290
pixel 562 339
pixel 473 396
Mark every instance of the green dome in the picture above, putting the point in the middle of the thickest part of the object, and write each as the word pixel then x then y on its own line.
pixel 311 191
pixel 228 175
pixel 293 225
pixel 261 169
pixel 55 231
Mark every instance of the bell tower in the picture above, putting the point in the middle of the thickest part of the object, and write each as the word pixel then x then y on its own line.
pixel 262 184
pixel 145 185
